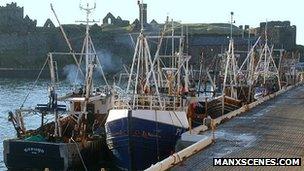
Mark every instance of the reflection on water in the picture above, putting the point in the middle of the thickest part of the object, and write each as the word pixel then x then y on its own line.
pixel 12 95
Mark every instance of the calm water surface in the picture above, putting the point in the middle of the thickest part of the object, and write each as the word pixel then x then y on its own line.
pixel 12 95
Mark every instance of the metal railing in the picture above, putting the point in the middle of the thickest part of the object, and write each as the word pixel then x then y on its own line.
pixel 150 102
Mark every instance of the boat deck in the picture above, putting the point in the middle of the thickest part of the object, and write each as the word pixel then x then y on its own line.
pixel 274 129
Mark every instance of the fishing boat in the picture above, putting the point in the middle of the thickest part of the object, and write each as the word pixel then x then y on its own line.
pixel 148 119
pixel 257 77
pixel 232 89
pixel 77 131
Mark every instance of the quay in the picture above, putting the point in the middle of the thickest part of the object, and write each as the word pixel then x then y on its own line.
pixel 273 129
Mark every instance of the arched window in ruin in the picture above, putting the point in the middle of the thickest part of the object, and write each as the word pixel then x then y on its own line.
pixel 110 21
pixel 48 24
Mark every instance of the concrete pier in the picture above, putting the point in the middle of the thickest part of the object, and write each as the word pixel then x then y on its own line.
pixel 274 129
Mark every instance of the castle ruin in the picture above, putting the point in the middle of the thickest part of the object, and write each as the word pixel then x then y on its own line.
pixel 12 20
pixel 279 33
pixel 109 19
pixel 142 12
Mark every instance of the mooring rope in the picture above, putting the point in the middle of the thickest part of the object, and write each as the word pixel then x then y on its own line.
pixel 178 119
pixel 84 166
pixel 157 140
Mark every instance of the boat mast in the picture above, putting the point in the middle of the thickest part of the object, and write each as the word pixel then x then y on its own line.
pixel 266 66
pixel 172 45
pixel 53 96
pixel 88 56
pixel 67 41
pixel 91 58
pixel 249 71
pixel 142 64
pixel 231 66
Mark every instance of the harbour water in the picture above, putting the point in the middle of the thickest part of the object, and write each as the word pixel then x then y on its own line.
pixel 12 95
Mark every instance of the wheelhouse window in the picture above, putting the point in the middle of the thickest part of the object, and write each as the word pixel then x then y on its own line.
pixel 77 106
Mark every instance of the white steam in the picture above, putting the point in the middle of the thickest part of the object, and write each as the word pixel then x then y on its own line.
pixel 72 74
pixel 109 62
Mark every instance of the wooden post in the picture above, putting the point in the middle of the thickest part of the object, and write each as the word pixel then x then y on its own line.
pixel 190 124
pixel 42 121
pixel 206 106
pixel 213 130
pixel 206 111
pixel 223 104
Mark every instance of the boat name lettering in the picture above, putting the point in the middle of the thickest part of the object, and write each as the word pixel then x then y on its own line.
pixel 137 133
pixel 144 134
pixel 34 150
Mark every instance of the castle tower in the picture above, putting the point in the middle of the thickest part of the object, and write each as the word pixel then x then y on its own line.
pixel 142 12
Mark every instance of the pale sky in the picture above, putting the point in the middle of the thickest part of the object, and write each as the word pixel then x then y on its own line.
pixel 186 11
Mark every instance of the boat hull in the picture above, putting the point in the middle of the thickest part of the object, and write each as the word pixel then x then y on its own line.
pixel 21 154
pixel 138 143
pixel 214 107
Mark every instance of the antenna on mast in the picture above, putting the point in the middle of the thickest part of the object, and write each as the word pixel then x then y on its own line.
pixel 231 23
pixel 88 10
pixel 87 42
pixel 266 36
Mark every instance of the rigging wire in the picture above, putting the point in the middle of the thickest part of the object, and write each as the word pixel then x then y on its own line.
pixel 157 140
pixel 178 119
pixel 35 83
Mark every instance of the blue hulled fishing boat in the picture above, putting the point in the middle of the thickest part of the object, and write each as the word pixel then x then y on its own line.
pixel 150 116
